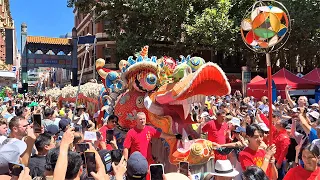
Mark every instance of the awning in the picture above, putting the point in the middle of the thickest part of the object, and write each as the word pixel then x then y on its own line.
pixel 7 74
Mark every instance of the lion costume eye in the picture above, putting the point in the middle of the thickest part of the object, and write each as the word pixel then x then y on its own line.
pixel 151 79
pixel 195 63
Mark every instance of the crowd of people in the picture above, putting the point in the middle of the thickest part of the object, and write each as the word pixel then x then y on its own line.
pixel 70 145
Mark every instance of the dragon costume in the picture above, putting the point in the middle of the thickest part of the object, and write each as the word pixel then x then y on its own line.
pixel 164 90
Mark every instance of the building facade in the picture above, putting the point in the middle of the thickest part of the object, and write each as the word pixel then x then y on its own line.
pixel 89 24
pixel 9 72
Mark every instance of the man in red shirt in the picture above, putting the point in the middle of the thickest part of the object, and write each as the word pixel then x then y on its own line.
pixel 109 125
pixel 282 141
pixel 280 138
pixel 217 130
pixel 138 138
pixel 252 155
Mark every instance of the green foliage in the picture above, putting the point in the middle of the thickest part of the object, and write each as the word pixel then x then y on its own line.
pixel 213 26
pixel 174 27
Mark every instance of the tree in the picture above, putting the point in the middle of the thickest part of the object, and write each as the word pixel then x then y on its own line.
pixel 174 27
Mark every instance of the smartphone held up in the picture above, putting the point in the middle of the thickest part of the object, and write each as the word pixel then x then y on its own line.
pixel 110 134
pixel 156 171
pixel 90 160
pixel 37 123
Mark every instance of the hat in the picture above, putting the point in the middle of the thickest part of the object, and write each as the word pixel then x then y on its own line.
pixel 63 123
pixel 42 104
pixel 72 105
pixel 315 105
pixel 240 129
pixel 314 114
pixel 176 176
pixel 137 166
pixel 62 113
pixel 33 104
pixel 264 127
pixel 10 151
pixel 6 99
pixel 205 114
pixel 235 121
pixel 224 168
pixel 52 129
pixel 295 110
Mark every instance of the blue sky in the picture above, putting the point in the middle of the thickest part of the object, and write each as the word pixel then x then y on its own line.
pixel 50 18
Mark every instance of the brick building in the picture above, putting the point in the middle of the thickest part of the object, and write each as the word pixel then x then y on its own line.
pixel 88 24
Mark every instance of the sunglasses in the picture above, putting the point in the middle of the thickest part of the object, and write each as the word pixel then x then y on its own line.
pixel 26 125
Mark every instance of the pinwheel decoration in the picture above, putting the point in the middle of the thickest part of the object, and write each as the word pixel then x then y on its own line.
pixel 265 25
pixel 266 28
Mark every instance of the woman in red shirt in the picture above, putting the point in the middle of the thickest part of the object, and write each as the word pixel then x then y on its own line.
pixel 310 158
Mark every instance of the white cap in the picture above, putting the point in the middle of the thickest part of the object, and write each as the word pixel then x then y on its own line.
pixel 264 127
pixel 206 115
pixel 315 105
pixel 235 121
pixel 314 114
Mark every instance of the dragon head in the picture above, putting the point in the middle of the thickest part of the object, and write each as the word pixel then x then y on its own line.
pixel 165 89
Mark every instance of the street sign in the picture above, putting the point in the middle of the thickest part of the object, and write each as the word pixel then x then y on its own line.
pixel 86 40
pixel 14 69
pixel 246 77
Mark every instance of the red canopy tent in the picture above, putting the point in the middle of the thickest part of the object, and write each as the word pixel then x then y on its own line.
pixel 256 79
pixel 313 75
pixel 282 78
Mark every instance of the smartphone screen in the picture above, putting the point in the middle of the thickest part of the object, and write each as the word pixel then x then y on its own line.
pixel 15 169
pixel 108 163
pixel 90 162
pixel 98 135
pixel 184 168
pixel 82 147
pixel 37 123
pixel 156 171
pixel 109 135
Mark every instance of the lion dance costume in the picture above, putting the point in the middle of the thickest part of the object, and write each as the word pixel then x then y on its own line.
pixel 164 90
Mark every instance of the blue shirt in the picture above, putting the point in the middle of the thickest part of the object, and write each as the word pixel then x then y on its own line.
pixel 313 135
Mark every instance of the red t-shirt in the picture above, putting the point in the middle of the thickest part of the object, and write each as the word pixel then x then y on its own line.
pixel 139 140
pixel 300 173
pixel 103 132
pixel 282 142
pixel 249 157
pixel 216 132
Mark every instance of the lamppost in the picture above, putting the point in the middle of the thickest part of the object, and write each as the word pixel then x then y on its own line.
pixel 266 28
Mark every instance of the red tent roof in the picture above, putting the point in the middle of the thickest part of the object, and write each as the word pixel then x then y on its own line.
pixel 313 75
pixel 256 79
pixel 283 78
